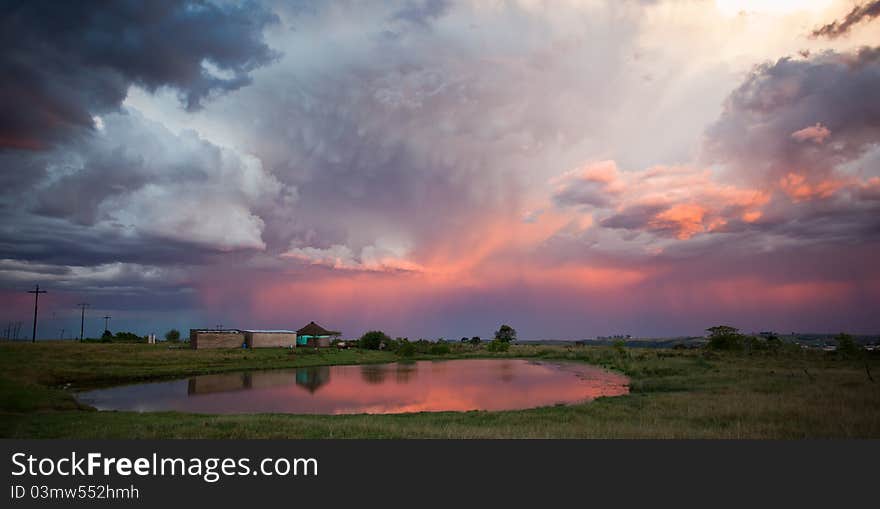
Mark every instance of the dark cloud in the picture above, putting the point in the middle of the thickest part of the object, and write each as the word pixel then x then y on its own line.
pixel 859 13
pixel 64 62
pixel 636 217
pixel 58 242
pixel 135 193
pixel 840 92
pixel 584 193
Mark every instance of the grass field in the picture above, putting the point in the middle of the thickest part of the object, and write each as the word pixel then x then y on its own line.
pixel 674 394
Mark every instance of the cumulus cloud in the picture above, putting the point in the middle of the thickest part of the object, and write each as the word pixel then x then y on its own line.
pixel 861 12
pixel 753 136
pixel 815 174
pixel 63 63
pixel 173 187
pixel 432 138
pixel 774 176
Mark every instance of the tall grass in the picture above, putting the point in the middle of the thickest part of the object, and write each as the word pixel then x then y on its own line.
pixel 674 394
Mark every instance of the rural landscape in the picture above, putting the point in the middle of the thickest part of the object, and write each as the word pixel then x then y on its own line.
pixel 455 219
pixel 732 386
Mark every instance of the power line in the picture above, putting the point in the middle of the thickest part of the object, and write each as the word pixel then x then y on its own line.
pixel 36 293
pixel 82 319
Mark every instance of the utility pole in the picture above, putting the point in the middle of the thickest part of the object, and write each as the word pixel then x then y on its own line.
pixel 107 322
pixel 82 319
pixel 36 293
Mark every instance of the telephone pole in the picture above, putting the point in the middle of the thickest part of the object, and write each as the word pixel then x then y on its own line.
pixel 82 319
pixel 36 293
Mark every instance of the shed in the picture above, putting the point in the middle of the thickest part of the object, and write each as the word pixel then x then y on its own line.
pixel 269 338
pixel 315 335
pixel 200 339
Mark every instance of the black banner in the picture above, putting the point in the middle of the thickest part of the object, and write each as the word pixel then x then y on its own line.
pixel 406 473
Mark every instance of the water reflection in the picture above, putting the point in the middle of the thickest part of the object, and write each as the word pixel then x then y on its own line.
pixel 478 384
pixel 374 373
pixel 405 372
pixel 311 379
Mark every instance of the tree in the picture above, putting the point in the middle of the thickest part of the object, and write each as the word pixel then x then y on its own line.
pixel 505 334
pixel 107 334
pixel 846 345
pixel 476 340
pixel 373 340
pixel 725 337
pixel 722 330
pixel 172 335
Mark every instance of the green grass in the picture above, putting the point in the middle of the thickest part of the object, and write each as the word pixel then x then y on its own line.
pixel 674 394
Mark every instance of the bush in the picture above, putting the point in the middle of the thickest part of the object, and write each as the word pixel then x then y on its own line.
pixel 373 339
pixel 406 349
pixel 726 342
pixel 173 335
pixel 422 346
pixel 774 343
pixel 440 348
pixel 498 346
pixel 129 337
pixel 753 343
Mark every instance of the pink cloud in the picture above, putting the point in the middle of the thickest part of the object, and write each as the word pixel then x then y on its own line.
pixel 815 133
pixel 798 188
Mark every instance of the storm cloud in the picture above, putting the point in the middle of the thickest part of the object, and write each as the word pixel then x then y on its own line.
pixel 438 167
pixel 862 12
pixel 64 62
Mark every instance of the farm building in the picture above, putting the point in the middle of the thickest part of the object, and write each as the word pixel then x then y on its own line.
pixel 315 335
pixel 268 338
pixel 200 339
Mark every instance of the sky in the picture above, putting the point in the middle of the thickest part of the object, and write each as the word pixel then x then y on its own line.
pixel 435 168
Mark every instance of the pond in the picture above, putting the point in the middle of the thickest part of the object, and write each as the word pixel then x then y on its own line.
pixel 423 386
